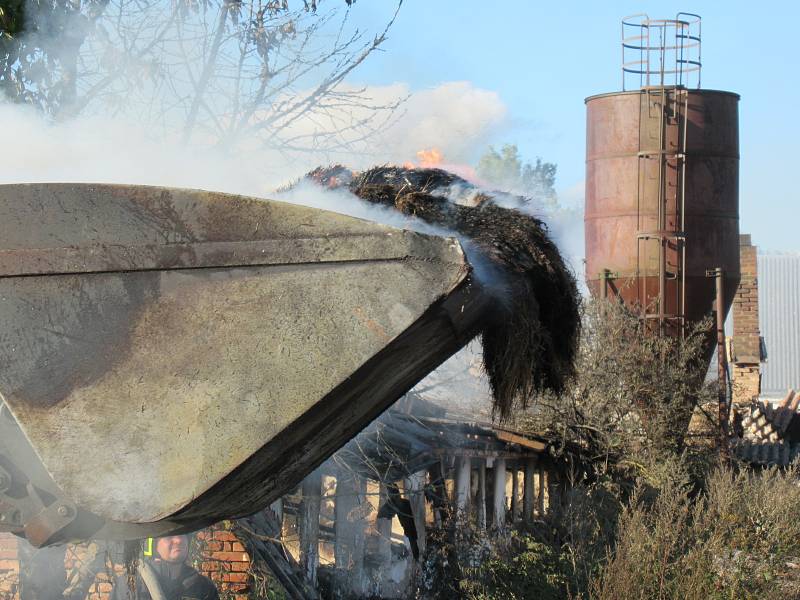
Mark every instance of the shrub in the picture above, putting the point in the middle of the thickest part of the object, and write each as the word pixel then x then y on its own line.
pixel 633 392
pixel 739 539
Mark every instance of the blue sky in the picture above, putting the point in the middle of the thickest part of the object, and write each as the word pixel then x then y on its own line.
pixel 543 59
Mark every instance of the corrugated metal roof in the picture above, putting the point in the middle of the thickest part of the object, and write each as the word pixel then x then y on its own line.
pixel 779 321
pixel 766 453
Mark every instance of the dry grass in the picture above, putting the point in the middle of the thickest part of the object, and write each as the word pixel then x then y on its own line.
pixel 739 539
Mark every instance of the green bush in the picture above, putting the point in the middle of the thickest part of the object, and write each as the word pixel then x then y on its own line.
pixel 532 570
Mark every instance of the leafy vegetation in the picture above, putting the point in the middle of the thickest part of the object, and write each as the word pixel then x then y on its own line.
pixel 506 169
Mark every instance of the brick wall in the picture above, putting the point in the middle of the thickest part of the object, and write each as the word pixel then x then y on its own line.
pixel 746 348
pixel 9 567
pixel 223 559
pixel 81 554
pixel 101 588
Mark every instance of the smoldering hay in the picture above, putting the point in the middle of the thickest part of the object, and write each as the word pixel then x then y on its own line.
pixel 530 336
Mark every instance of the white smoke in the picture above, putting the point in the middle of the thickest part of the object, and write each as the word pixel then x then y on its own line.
pixel 112 150
pixel 564 224
pixel 341 200
pixel 456 117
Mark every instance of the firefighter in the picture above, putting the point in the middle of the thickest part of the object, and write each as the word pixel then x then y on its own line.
pixel 168 573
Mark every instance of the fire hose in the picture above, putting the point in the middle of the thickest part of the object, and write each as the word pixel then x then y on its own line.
pixel 151 582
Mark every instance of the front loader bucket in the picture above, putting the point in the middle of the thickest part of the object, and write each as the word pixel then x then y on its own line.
pixel 170 357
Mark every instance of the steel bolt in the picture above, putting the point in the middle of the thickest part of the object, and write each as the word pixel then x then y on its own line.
pixel 63 511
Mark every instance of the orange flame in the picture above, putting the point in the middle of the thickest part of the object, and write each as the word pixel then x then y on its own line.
pixel 434 158
pixel 429 158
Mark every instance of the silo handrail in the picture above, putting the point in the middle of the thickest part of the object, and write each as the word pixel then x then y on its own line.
pixel 661 52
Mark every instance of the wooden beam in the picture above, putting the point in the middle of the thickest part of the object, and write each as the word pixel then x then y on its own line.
pixel 415 492
pixel 528 491
pixel 515 504
pixel 486 453
pixel 541 488
pixel 553 490
pixel 481 500
pixel 259 535
pixel 513 438
pixel 277 508
pixel 383 527
pixel 463 484
pixel 499 494
pixel 350 529
pixel 308 525
pixel 441 503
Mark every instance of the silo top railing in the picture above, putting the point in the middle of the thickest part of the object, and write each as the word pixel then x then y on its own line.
pixel 661 52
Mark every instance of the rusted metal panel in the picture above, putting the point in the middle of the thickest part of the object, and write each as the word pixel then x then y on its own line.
pixel 175 351
pixel 624 191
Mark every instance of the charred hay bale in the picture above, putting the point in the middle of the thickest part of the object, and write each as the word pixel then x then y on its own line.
pixel 530 336
pixel 406 180
pixel 333 176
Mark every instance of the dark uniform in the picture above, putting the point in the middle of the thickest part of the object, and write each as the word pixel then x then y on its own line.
pixel 178 582
pixel 397 506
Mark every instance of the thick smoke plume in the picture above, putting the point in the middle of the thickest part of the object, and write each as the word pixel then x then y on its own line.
pixel 118 148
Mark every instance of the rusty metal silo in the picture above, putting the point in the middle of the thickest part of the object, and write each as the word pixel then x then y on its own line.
pixel 662 178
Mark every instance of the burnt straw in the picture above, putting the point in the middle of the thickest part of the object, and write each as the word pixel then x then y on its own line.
pixel 529 339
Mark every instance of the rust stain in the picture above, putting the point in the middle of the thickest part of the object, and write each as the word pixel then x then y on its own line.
pixel 371 324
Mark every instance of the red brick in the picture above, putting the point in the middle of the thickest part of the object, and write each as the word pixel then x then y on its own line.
pixel 230 556
pixel 224 536
pixel 212 546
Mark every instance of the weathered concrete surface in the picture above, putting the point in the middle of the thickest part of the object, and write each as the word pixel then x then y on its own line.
pixel 174 351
